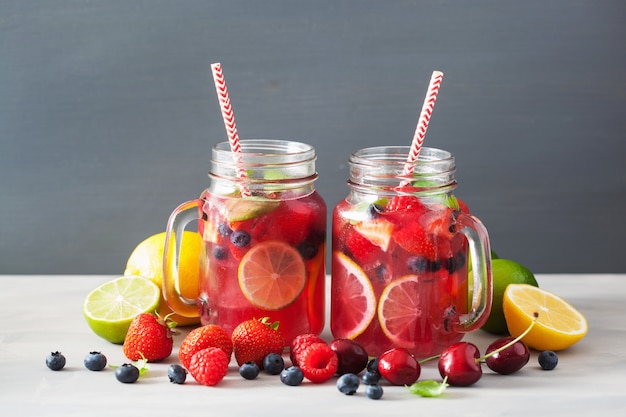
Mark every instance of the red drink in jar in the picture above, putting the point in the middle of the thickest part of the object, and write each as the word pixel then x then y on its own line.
pixel 400 255
pixel 263 255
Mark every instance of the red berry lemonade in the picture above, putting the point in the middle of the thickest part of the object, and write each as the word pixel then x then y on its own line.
pixel 399 261
pixel 263 226
pixel 264 238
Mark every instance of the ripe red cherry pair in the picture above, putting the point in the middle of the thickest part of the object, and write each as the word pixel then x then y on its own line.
pixel 461 362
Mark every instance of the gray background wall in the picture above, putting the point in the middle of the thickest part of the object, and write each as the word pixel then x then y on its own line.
pixel 108 113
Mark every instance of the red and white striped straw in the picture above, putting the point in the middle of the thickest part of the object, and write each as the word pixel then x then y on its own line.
pixel 229 123
pixel 422 124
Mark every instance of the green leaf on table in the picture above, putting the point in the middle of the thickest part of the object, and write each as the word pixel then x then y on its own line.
pixel 429 388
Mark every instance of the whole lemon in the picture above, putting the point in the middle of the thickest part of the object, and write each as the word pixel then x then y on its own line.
pixel 147 260
pixel 505 272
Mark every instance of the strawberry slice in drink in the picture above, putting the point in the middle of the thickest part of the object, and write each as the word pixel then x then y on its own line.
pixel 405 203
pixel 291 222
pixel 377 231
pixel 414 239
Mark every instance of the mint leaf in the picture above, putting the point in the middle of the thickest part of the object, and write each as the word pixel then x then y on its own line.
pixel 453 203
pixel 429 388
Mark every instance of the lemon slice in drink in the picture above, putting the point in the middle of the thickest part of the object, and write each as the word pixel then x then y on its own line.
pixel 399 310
pixel 111 307
pixel 559 325
pixel 272 275
pixel 355 302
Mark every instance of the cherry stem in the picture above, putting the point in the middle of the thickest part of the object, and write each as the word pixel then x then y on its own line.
pixel 430 358
pixel 512 342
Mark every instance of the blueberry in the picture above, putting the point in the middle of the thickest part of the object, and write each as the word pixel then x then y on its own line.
pixel 292 376
pixel 95 361
pixel 220 252
pixel 548 360
pixel 374 391
pixel 240 238
pixel 55 361
pixel 372 365
pixel 374 210
pixel 348 383
pixel 127 373
pixel 456 262
pixel 249 370
pixel 370 377
pixel 382 273
pixel 420 264
pixel 273 364
pixel 224 229
pixel 177 374
pixel 308 250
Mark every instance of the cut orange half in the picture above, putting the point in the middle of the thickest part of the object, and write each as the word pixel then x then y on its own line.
pixel 354 301
pixel 399 312
pixel 559 325
pixel 272 275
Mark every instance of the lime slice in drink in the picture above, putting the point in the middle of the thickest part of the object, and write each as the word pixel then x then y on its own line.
pixel 240 209
pixel 111 307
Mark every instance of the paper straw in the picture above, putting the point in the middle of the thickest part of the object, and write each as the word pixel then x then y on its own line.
pixel 422 124
pixel 229 123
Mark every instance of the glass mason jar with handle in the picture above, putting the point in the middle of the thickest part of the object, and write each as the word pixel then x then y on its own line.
pixel 401 247
pixel 263 250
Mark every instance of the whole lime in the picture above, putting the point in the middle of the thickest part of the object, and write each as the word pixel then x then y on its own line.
pixel 469 259
pixel 504 272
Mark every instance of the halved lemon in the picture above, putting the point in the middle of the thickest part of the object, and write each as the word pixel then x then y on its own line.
pixel 272 275
pixel 399 311
pixel 558 326
pixel 110 307
pixel 354 301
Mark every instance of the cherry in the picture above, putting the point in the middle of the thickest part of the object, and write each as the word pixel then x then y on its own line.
pixel 508 360
pixel 461 361
pixel 352 356
pixel 399 367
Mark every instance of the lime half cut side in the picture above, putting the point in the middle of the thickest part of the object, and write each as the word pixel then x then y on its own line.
pixel 111 307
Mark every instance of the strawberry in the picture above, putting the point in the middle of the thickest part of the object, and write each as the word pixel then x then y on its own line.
pixel 209 366
pixel 377 231
pixel 254 339
pixel 414 239
pixel 291 222
pixel 361 248
pixel 318 362
pixel 149 337
pixel 405 203
pixel 300 343
pixel 203 337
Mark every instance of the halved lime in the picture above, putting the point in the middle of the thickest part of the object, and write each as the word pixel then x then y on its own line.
pixel 111 307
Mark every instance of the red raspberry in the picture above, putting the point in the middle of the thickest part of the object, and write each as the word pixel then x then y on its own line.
pixel 209 366
pixel 300 343
pixel 203 337
pixel 318 362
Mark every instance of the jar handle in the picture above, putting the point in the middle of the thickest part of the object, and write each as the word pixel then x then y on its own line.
pixel 179 218
pixel 480 255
